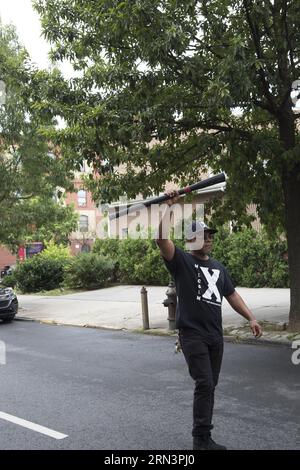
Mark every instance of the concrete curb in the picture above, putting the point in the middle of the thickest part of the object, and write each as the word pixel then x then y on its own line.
pixel 235 338
pixel 257 342
pixel 58 323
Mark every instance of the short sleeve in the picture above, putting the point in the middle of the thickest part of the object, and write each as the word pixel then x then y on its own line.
pixel 228 284
pixel 173 265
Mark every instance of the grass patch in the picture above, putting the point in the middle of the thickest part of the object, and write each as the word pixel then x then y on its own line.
pixel 58 292
pixel 292 336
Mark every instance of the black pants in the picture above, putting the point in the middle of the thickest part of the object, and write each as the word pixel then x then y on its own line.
pixel 204 359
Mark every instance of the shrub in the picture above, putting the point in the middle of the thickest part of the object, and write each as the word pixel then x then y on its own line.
pixel 140 263
pixel 251 258
pixel 138 260
pixel 39 273
pixel 277 267
pixel 9 280
pixel 107 247
pixel 221 245
pixel 58 252
pixel 89 271
pixel 132 254
pixel 247 259
pixel 44 271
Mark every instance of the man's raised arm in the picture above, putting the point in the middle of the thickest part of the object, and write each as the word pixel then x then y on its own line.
pixel 166 246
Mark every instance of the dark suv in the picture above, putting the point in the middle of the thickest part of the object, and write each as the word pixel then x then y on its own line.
pixel 8 304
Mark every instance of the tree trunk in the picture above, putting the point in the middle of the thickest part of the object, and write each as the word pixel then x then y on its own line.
pixel 291 190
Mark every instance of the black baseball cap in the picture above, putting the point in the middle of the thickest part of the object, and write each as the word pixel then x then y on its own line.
pixel 195 227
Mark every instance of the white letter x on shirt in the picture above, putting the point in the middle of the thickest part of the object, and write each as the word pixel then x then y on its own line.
pixel 212 280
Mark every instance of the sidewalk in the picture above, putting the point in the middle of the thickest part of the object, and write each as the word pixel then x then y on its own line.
pixel 119 308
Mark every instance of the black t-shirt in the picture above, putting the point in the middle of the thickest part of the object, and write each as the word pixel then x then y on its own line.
pixel 200 287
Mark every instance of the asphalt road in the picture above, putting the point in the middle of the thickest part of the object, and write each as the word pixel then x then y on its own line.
pixel 119 390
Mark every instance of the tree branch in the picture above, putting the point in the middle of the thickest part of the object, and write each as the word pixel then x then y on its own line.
pixel 256 41
pixel 288 38
pixel 220 128
pixel 263 105
pixel 179 65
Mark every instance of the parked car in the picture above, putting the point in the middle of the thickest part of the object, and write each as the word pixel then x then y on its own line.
pixel 6 271
pixel 8 304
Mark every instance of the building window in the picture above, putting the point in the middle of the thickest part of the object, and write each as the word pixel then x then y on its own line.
pixel 83 223
pixel 81 198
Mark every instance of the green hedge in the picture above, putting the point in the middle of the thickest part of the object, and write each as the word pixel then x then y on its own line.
pixel 138 261
pixel 85 271
pixel 251 259
pixel 89 271
pixel 8 281
pixel 38 273
pixel 44 271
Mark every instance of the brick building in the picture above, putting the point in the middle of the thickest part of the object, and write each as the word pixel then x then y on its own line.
pixel 89 215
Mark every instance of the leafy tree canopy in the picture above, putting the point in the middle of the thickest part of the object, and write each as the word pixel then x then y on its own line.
pixel 171 87
pixel 31 170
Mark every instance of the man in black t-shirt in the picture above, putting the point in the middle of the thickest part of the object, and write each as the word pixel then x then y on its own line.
pixel 201 283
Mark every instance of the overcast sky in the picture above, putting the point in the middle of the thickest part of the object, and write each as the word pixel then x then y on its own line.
pixel 27 22
pixel 26 19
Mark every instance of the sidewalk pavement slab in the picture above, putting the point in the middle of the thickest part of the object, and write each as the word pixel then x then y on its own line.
pixel 119 307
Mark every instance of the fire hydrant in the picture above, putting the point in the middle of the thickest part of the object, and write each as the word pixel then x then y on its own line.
pixel 171 302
